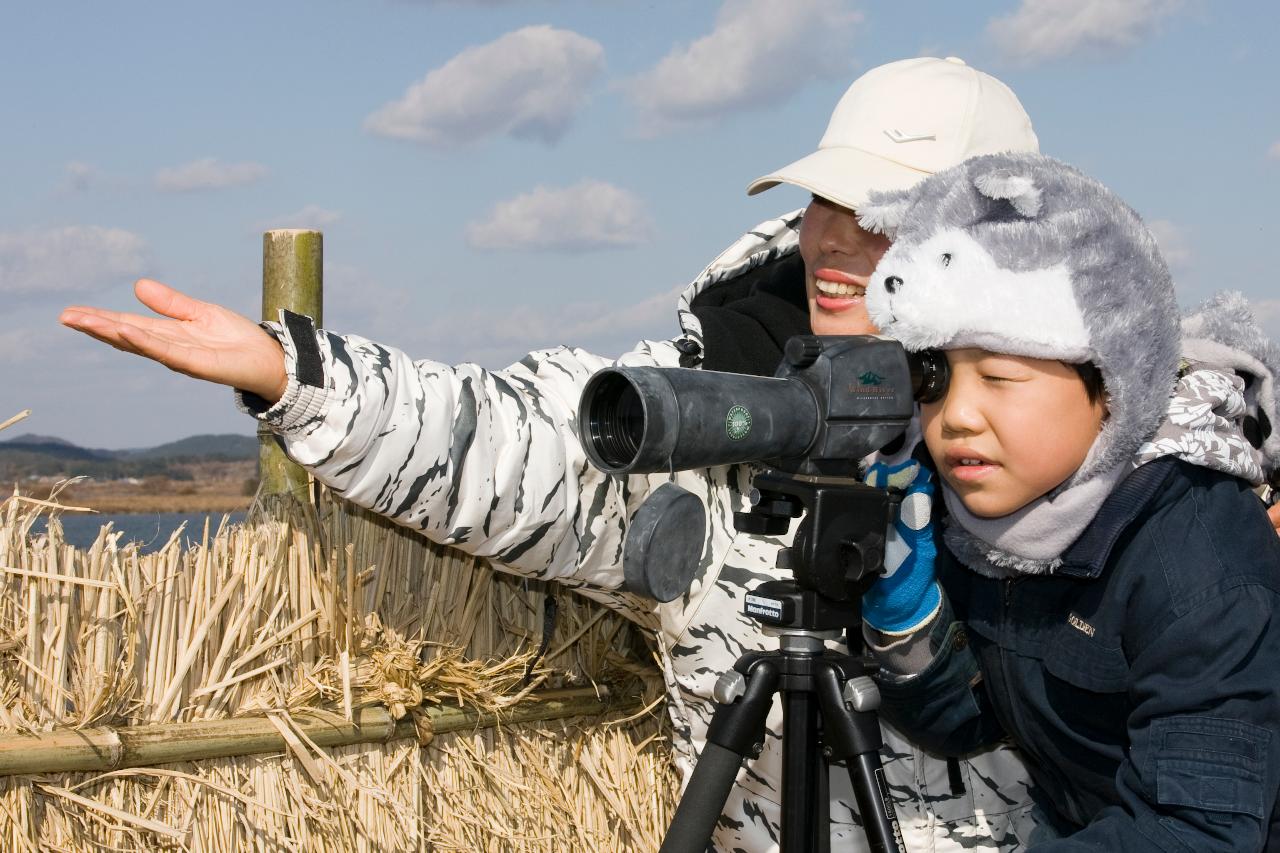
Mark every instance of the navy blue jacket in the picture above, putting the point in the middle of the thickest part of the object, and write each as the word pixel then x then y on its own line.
pixel 1141 680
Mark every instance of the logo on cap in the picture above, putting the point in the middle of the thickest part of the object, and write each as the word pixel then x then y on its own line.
pixel 898 136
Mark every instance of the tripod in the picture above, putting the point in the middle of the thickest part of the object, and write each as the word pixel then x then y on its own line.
pixel 829 699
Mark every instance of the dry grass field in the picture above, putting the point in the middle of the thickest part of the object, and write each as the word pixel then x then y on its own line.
pixel 214 487
pixel 298 624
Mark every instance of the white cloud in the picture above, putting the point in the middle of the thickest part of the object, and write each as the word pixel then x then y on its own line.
pixel 1173 241
pixel 312 216
pixel 19 345
pixel 1274 151
pixel 588 215
pixel 1051 29
pixel 356 301
pixel 1267 313
pixel 527 84
pixel 208 174
pixel 760 52
pixel 74 259
pixel 604 327
pixel 79 176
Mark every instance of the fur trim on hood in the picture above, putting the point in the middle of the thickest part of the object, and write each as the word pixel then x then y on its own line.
pixel 1222 334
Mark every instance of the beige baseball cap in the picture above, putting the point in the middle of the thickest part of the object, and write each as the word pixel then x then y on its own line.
pixel 903 121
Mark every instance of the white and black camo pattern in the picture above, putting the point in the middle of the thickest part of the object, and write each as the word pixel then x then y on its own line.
pixel 1202 426
pixel 489 462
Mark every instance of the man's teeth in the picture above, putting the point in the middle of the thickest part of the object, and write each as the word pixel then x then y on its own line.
pixel 831 288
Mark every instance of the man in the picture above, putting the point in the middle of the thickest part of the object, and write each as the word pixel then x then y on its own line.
pixel 489 462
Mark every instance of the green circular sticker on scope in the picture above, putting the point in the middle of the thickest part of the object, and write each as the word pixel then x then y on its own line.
pixel 737 423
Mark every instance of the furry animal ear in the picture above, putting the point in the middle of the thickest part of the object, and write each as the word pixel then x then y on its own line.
pixel 1018 190
pixel 884 212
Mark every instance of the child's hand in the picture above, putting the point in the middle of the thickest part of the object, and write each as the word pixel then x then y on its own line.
pixel 200 339
pixel 907 595
pixel 1274 514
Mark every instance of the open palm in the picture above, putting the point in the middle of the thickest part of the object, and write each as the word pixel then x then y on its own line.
pixel 191 337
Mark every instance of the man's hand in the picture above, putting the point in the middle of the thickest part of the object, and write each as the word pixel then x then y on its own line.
pixel 198 339
pixel 1274 514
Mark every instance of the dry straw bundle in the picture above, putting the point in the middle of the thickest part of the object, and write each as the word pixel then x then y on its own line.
pixel 316 628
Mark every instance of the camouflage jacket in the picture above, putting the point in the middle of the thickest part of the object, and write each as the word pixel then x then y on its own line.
pixel 489 462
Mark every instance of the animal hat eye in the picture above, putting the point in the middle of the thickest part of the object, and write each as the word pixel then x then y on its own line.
pixel 946 259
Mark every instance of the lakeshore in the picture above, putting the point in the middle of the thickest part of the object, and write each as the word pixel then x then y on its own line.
pixel 151 530
pixel 213 487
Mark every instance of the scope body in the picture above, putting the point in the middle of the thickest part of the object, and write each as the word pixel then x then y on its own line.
pixel 832 401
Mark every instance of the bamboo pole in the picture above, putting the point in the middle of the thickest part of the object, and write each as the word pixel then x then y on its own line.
pixel 105 748
pixel 293 279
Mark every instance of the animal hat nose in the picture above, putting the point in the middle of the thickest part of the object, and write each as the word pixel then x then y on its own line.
pixel 892 283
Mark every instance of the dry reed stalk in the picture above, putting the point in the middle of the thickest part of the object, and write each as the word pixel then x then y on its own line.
pixel 331 609
pixel 13 420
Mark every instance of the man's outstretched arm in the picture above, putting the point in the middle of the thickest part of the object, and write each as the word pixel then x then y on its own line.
pixel 487 461
pixel 191 337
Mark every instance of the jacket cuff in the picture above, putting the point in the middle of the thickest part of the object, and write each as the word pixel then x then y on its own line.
pixel 951 666
pixel 904 656
pixel 306 394
pixel 905 653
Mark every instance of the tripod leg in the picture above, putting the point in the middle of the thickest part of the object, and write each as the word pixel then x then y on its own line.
pixel 854 737
pixel 736 732
pixel 804 821
pixel 821 842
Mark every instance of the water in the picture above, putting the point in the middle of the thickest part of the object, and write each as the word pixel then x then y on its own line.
pixel 152 529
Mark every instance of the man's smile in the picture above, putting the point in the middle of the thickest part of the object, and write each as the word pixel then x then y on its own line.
pixel 837 290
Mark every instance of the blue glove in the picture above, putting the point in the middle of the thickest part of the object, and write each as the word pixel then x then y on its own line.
pixel 907 595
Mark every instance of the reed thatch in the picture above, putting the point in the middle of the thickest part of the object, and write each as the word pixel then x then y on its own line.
pixel 313 622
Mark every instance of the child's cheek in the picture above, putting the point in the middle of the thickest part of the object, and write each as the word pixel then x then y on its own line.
pixel 929 413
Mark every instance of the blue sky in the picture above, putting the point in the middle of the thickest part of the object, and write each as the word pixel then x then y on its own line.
pixel 493 177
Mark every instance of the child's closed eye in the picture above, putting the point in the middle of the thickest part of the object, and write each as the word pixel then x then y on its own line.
pixel 1001 369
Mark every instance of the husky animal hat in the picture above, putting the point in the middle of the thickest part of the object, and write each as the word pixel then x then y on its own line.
pixel 1022 254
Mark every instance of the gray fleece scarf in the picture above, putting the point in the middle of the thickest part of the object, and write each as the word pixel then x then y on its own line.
pixel 1202 426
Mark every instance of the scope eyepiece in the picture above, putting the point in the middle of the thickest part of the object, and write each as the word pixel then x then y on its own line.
pixel 930 373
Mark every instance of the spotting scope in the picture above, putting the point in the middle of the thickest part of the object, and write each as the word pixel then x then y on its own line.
pixel 832 401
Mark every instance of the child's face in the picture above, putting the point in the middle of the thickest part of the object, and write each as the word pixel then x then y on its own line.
pixel 1009 428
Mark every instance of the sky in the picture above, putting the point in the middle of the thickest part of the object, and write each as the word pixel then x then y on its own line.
pixel 498 176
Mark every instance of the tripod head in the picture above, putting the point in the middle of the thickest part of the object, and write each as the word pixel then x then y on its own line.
pixel 837 552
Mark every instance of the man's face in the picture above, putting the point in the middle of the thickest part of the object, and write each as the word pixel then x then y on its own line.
pixel 839 257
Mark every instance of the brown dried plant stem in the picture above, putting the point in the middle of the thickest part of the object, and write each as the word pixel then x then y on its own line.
pixel 106 748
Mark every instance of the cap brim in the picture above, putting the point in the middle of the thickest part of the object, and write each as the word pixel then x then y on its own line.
pixel 846 176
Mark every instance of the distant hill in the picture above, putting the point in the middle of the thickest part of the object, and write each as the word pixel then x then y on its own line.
pixel 49 456
pixel 32 438
pixel 224 446
pixel 49 446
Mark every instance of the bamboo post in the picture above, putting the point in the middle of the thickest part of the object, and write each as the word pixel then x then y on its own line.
pixel 104 748
pixel 292 278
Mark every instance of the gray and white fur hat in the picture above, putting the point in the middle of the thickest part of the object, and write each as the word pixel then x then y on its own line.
pixel 1023 254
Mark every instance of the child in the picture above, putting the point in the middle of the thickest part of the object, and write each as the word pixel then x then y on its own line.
pixel 1107 595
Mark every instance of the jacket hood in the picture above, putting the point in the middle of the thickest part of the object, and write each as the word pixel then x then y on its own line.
pixel 1222 334
pixel 770 241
